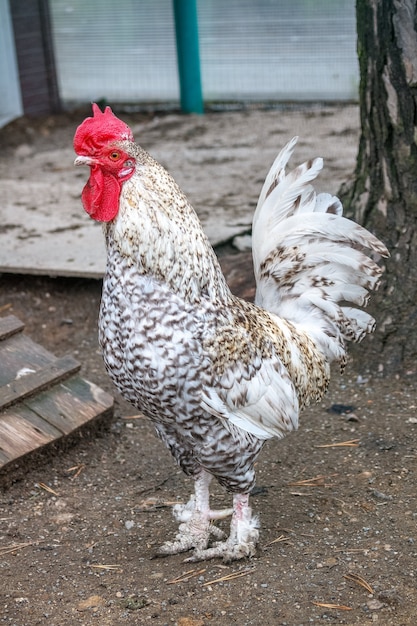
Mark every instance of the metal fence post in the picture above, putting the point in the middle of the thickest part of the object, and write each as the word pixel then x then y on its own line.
pixel 186 31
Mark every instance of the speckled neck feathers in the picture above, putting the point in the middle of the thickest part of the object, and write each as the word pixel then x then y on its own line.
pixel 152 231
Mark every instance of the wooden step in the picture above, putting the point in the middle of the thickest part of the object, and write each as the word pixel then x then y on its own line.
pixel 42 397
pixel 9 326
pixel 30 381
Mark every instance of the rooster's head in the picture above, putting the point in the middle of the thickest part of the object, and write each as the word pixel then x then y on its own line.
pixel 97 142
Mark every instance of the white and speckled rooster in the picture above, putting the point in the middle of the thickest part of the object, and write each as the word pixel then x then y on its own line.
pixel 218 376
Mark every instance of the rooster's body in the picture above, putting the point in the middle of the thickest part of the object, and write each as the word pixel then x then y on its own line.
pixel 218 375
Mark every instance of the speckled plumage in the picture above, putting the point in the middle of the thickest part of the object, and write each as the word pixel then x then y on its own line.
pixel 217 375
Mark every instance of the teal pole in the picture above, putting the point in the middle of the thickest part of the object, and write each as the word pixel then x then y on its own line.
pixel 188 55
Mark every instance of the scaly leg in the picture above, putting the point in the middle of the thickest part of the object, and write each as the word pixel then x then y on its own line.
pixel 243 537
pixel 195 517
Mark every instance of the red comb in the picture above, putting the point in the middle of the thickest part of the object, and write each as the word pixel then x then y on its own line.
pixel 98 130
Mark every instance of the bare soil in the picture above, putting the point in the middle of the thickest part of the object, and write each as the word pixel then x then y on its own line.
pixel 80 524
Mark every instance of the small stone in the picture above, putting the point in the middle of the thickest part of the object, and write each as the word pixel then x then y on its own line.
pixel 379 495
pixel 374 605
pixel 23 151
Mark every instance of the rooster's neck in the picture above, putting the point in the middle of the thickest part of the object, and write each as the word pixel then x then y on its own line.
pixel 157 231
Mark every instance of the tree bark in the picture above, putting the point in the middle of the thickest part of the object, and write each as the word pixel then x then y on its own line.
pixel 383 195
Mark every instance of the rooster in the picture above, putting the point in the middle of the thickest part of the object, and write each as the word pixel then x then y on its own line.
pixel 217 375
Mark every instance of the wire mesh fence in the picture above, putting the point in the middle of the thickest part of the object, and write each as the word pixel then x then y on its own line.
pixel 251 50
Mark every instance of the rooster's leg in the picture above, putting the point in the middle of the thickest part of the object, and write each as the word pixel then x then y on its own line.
pixel 243 537
pixel 195 517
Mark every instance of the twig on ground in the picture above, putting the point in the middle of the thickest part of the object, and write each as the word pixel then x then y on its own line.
pixel 230 576
pixel 329 605
pixel 186 576
pixel 280 539
pixel 47 488
pixel 351 443
pixel 14 547
pixel 356 578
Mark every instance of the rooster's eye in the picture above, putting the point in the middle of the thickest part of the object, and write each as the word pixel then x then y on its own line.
pixel 114 156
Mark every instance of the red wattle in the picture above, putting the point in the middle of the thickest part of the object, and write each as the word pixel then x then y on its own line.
pixel 100 195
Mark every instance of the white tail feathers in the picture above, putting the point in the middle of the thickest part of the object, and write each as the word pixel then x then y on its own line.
pixel 309 261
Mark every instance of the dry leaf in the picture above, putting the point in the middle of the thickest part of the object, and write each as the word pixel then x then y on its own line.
pixel 190 621
pixel 90 603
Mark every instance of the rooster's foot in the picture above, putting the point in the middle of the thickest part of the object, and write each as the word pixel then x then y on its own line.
pixel 195 519
pixel 243 537
pixel 193 534
pixel 196 528
pixel 225 550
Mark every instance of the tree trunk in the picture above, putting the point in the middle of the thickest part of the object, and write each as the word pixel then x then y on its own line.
pixel 383 195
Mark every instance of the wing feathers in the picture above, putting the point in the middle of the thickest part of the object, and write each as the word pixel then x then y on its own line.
pixel 266 405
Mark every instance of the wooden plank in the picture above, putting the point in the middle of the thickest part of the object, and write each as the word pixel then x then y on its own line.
pixel 33 432
pixel 9 326
pixel 34 419
pixel 3 458
pixel 71 404
pixel 41 398
pixel 18 436
pixel 19 353
pixel 50 416
pixel 89 393
pixel 23 387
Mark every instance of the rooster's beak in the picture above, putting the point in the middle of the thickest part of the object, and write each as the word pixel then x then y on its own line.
pixel 84 160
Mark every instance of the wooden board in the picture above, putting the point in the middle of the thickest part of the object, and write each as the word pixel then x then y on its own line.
pixel 42 398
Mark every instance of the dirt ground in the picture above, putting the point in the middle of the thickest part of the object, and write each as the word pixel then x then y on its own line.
pixel 338 522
